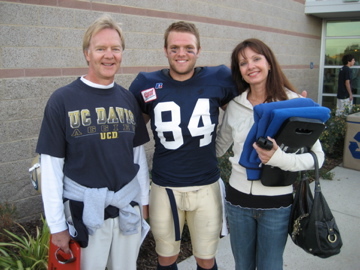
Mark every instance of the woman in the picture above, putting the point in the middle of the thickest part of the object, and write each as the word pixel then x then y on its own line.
pixel 258 216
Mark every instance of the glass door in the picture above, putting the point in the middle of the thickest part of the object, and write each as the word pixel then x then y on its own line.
pixel 341 37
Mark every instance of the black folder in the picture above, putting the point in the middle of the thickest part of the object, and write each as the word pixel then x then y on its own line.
pixel 296 135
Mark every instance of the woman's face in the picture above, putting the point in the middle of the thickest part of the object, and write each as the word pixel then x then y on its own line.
pixel 254 67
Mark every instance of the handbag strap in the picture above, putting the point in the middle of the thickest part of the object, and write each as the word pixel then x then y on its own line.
pixel 317 174
pixel 318 196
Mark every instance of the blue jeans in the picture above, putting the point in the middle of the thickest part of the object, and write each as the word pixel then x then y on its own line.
pixel 258 236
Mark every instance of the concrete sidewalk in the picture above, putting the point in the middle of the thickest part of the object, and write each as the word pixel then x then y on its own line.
pixel 343 196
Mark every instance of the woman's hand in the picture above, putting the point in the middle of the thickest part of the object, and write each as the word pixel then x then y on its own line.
pixel 265 155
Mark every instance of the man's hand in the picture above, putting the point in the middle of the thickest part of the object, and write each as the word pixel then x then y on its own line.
pixel 146 118
pixel 61 240
pixel 145 211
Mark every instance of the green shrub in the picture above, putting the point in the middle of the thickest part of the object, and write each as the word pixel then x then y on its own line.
pixel 25 252
pixel 332 139
pixel 225 165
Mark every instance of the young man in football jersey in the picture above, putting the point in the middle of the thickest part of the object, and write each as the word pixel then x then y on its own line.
pixel 92 158
pixel 183 104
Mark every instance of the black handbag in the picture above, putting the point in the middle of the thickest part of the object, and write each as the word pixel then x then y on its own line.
pixel 312 225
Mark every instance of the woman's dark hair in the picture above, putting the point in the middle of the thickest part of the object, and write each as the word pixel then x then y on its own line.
pixel 276 81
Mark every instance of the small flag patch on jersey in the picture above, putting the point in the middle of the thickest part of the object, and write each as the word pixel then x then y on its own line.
pixel 149 94
pixel 158 85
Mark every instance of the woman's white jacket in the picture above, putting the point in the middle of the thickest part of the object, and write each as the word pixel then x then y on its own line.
pixel 236 124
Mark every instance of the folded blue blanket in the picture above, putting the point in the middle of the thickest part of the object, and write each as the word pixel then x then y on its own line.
pixel 268 118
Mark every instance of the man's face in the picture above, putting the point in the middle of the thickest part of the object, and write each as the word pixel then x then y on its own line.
pixel 182 54
pixel 104 56
pixel 352 62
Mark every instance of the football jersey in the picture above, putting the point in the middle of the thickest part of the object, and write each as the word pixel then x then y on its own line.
pixel 184 117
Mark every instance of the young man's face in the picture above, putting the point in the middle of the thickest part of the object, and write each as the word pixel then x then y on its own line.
pixel 352 62
pixel 182 54
pixel 104 56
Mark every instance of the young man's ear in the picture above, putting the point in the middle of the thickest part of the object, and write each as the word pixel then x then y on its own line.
pixel 198 52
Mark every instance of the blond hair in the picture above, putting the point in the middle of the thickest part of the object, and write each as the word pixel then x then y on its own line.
pixel 103 22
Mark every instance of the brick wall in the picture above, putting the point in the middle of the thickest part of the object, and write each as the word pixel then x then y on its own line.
pixel 40 50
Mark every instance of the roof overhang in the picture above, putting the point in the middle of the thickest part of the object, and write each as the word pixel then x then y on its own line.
pixel 329 9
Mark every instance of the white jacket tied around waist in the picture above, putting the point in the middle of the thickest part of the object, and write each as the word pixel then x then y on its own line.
pixel 97 199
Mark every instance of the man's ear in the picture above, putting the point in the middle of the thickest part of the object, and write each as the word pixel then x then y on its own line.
pixel 198 52
pixel 86 54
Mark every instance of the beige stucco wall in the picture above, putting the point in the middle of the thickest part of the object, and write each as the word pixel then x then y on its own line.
pixel 40 50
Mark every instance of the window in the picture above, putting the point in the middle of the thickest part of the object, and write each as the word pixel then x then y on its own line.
pixel 341 37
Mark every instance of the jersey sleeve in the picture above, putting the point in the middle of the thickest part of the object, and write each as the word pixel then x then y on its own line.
pixel 227 84
pixel 141 134
pixel 135 88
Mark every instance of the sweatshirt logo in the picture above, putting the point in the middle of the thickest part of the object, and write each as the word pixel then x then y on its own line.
pixel 107 122
pixel 149 94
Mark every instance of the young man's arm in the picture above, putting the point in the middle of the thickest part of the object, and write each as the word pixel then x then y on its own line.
pixel 348 88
